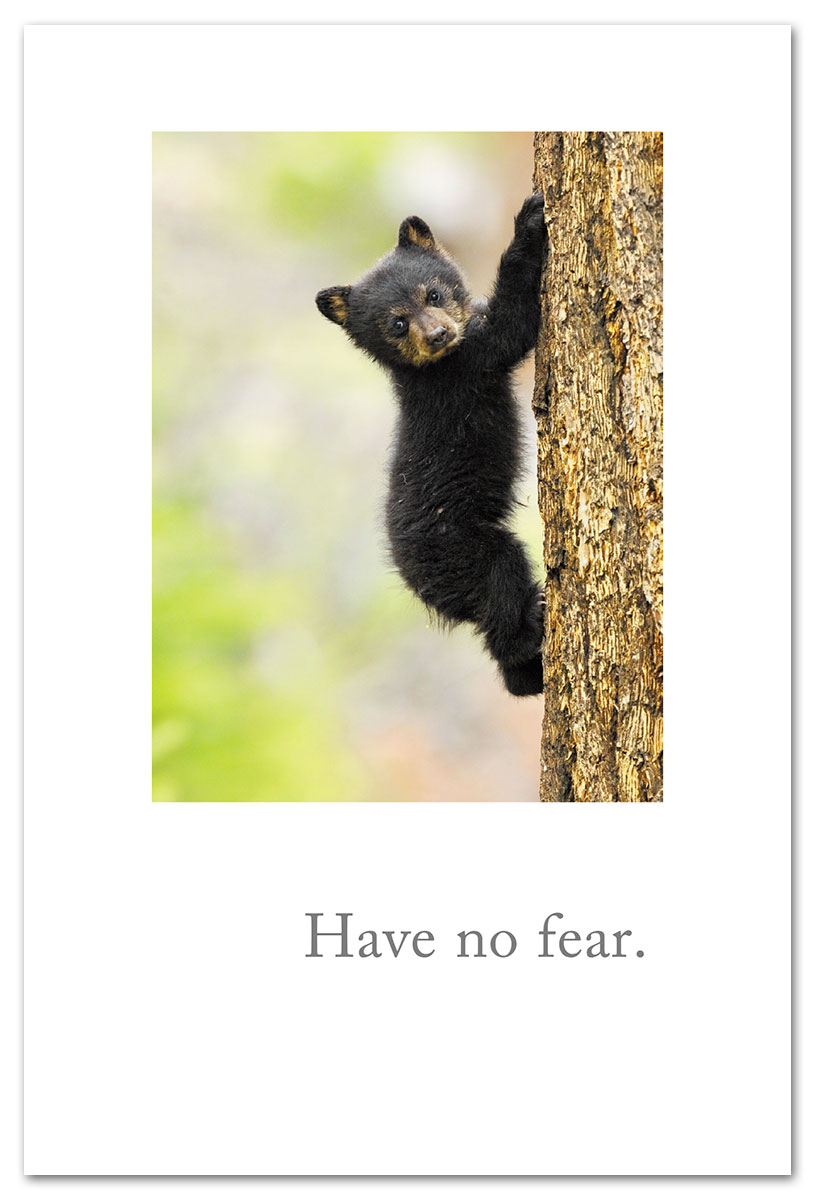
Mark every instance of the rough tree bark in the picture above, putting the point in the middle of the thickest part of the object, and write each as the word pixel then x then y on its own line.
pixel 599 406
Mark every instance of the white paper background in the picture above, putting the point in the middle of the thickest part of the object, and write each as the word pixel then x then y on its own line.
pixel 172 1022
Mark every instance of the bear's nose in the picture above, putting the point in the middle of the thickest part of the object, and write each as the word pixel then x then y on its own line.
pixel 438 336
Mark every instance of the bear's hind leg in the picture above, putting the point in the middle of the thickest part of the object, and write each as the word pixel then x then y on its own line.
pixel 512 616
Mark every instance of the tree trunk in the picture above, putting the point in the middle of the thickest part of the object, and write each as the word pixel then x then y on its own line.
pixel 599 406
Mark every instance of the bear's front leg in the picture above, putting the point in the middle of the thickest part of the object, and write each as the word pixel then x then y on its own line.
pixel 514 310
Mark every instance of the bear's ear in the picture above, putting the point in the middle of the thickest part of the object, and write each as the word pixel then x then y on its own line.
pixel 414 232
pixel 333 303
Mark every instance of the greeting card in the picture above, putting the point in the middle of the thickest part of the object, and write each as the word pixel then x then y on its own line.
pixel 361 362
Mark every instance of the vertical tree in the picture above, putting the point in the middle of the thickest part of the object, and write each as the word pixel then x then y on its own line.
pixel 599 406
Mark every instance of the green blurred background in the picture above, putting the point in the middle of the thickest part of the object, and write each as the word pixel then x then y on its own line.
pixel 289 662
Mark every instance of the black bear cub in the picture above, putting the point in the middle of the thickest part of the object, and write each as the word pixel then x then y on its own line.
pixel 457 453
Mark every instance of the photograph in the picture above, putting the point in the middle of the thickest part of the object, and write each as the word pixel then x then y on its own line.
pixel 418 556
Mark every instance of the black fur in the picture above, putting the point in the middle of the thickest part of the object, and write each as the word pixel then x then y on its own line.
pixel 457 455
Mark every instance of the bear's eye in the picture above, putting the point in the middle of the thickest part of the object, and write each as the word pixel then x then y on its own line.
pixel 399 325
pixel 433 297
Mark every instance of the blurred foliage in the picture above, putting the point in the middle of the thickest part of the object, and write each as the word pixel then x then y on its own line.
pixel 288 662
